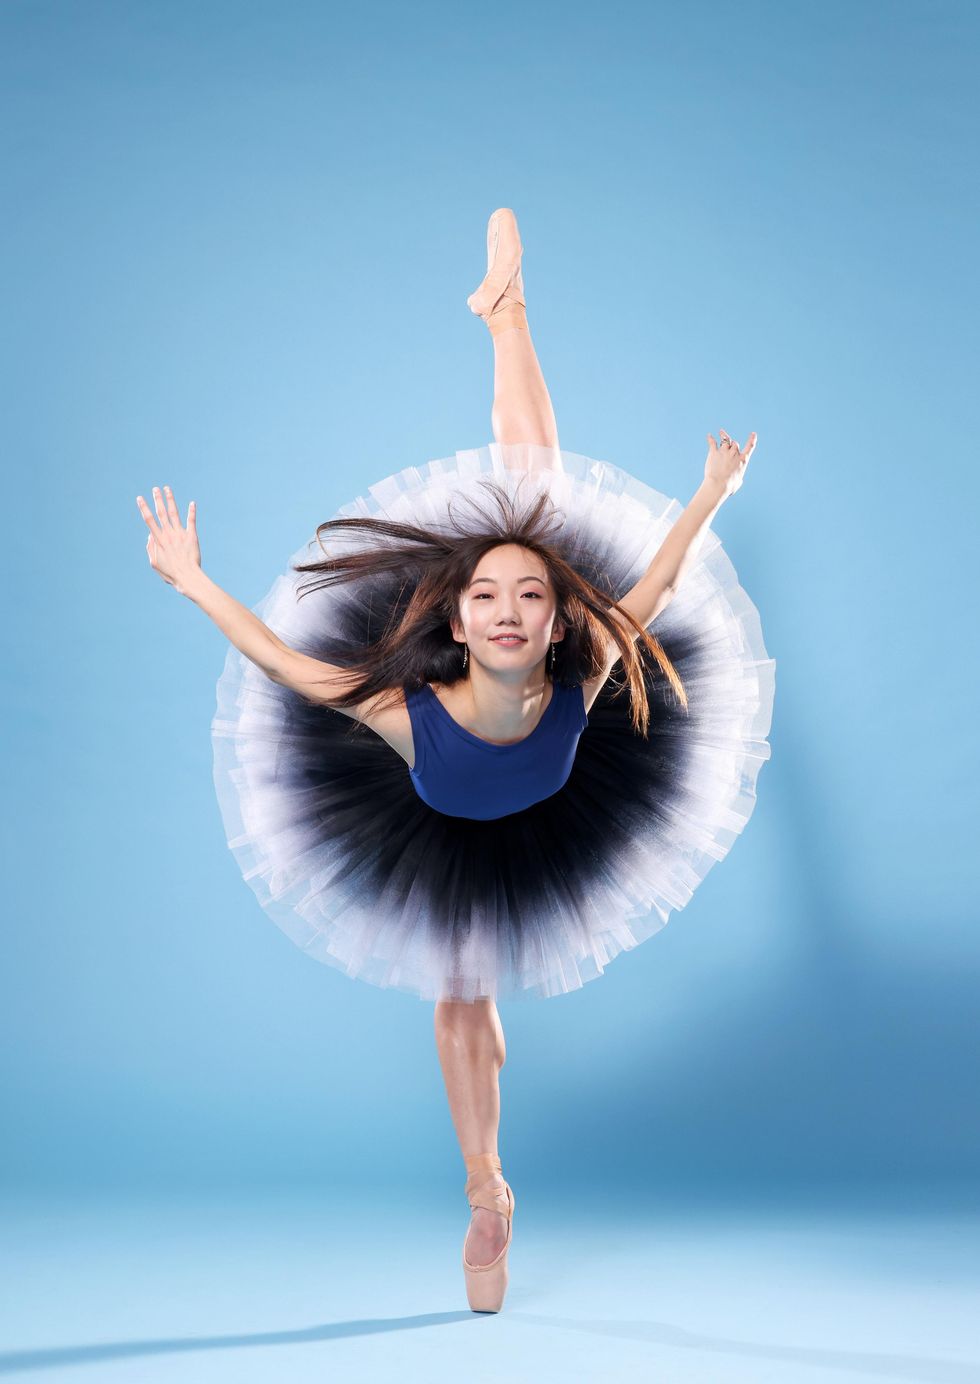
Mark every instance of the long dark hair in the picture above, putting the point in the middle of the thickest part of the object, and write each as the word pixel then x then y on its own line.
pixel 435 566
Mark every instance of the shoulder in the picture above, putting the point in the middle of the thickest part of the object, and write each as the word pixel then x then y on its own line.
pixel 387 714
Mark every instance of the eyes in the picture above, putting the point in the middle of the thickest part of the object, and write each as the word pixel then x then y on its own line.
pixel 489 595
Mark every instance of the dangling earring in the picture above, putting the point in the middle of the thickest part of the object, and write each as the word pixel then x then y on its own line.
pixel 552 668
pixel 465 655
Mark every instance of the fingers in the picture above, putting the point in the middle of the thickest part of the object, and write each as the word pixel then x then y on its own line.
pixel 151 523
pixel 192 518
pixel 172 511
pixel 167 513
pixel 749 446
pixel 158 506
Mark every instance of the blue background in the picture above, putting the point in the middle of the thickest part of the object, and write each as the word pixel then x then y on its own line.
pixel 237 244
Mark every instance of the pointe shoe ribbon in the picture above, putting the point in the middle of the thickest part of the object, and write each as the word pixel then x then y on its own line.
pixel 486 1284
pixel 499 300
pixel 478 1185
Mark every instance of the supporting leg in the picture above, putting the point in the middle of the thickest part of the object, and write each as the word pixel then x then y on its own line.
pixel 470 1042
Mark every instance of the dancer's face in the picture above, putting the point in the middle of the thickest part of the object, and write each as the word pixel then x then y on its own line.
pixel 510 592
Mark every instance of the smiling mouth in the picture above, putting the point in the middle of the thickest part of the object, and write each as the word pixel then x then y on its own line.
pixel 507 639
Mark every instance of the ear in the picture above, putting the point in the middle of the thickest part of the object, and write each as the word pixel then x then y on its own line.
pixel 456 629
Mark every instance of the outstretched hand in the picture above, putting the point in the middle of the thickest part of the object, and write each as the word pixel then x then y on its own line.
pixel 727 461
pixel 173 550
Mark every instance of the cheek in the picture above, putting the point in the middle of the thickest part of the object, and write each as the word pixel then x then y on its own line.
pixel 545 618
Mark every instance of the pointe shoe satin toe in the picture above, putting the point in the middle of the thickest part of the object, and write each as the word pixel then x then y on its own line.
pixel 486 1284
pixel 500 298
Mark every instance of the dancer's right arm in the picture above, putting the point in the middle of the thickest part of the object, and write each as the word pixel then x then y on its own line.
pixel 175 553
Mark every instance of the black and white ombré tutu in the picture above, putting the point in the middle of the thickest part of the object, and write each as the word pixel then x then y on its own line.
pixel 361 874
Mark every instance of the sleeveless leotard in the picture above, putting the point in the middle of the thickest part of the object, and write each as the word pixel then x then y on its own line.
pixel 461 775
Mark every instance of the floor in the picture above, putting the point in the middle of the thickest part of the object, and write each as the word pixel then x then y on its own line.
pixel 313 1286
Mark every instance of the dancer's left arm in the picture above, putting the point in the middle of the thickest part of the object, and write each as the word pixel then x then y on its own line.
pixel 723 473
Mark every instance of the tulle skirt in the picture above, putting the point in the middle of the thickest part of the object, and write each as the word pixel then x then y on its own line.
pixel 364 876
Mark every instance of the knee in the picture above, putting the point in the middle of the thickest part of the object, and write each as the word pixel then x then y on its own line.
pixel 470 1025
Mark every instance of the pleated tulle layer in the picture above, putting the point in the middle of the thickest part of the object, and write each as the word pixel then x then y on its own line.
pixel 348 861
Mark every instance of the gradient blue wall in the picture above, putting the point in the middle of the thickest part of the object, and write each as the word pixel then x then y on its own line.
pixel 237 244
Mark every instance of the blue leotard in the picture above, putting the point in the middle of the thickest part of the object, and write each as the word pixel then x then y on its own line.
pixel 461 775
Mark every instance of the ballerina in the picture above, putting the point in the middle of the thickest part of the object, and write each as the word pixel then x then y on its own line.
pixel 429 770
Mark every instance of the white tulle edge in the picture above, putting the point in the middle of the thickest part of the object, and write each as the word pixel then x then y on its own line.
pixel 329 924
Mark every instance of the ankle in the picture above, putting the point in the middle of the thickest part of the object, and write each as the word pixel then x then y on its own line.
pixel 506 317
pixel 480 1162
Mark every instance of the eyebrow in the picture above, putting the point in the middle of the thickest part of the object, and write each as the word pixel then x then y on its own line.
pixel 494 580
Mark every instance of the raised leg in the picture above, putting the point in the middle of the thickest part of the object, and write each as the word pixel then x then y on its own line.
pixel 522 410
pixel 470 1042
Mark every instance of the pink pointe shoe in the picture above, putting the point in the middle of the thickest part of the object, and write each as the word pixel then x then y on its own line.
pixel 486 1284
pixel 500 298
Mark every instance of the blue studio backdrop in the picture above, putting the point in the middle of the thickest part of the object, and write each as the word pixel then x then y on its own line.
pixel 237 246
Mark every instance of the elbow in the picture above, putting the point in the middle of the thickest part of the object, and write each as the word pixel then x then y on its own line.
pixel 278 669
